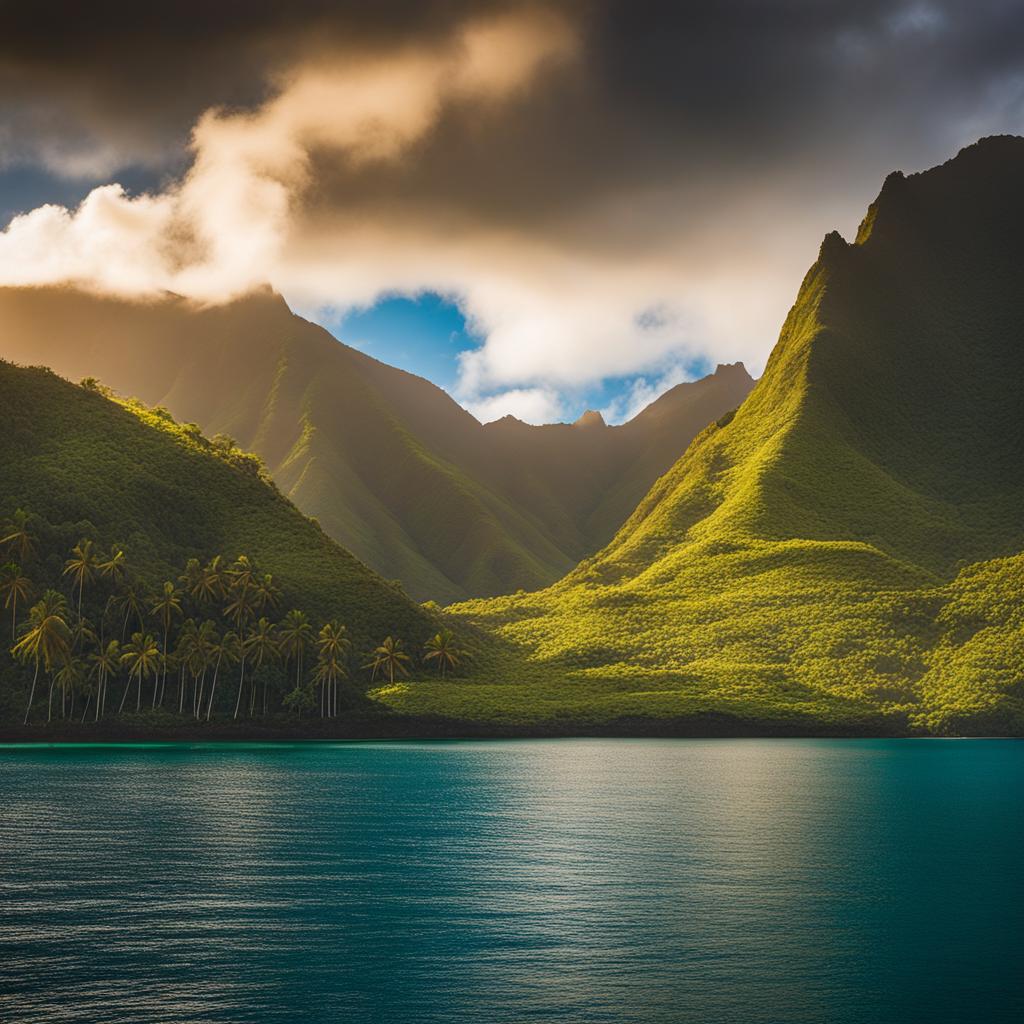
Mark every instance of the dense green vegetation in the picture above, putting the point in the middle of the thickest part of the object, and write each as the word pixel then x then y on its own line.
pixel 143 562
pixel 845 551
pixel 393 469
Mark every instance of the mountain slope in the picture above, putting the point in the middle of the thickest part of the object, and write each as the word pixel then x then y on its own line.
pixel 847 547
pixel 94 467
pixel 392 467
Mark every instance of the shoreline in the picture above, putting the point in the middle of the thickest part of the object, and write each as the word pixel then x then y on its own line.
pixel 420 729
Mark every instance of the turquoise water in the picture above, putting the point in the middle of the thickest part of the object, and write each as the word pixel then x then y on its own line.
pixel 566 880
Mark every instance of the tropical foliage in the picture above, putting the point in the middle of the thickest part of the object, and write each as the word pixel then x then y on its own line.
pixel 191 631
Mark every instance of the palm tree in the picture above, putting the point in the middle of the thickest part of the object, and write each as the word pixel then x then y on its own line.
pixel 184 653
pixel 142 656
pixel 81 567
pixel 441 647
pixel 17 537
pixel 14 588
pixel 332 650
pixel 241 608
pixel 82 633
pixel 225 650
pixel 69 677
pixel 113 566
pixel 105 662
pixel 295 634
pixel 202 658
pixel 260 645
pixel 211 582
pixel 128 599
pixel 242 574
pixel 165 607
pixel 46 641
pixel 189 579
pixel 268 594
pixel 389 657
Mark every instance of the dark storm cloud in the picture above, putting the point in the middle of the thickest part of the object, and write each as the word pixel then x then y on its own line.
pixel 667 164
pixel 664 87
pixel 128 80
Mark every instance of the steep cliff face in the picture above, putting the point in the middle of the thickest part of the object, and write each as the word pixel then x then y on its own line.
pixel 843 544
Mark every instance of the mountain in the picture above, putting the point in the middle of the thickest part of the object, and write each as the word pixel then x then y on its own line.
pixel 85 465
pixel 389 464
pixel 846 550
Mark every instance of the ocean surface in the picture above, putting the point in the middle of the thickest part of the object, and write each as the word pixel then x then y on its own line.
pixel 567 880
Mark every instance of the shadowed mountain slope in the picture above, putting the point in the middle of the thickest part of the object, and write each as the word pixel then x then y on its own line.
pixel 116 473
pixel 847 547
pixel 391 466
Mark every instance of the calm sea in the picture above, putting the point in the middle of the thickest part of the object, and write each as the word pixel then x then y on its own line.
pixel 568 880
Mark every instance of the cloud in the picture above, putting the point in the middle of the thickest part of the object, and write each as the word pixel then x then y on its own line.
pixel 228 225
pixel 644 390
pixel 607 189
pixel 531 405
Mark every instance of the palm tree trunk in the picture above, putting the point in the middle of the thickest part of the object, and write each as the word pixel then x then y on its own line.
pixel 32 692
pixel 163 675
pixel 85 710
pixel 197 696
pixel 49 702
pixel 124 696
pixel 213 688
pixel 241 683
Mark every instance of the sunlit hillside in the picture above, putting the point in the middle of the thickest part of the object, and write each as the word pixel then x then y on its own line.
pixel 846 549
pixel 84 466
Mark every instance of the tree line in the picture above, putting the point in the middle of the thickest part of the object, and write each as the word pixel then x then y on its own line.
pixel 99 629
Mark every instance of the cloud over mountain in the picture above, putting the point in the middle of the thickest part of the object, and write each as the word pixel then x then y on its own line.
pixel 599 186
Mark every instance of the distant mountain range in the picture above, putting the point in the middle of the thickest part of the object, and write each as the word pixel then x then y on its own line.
pixel 390 465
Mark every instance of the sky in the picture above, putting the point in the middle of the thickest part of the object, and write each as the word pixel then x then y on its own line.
pixel 540 206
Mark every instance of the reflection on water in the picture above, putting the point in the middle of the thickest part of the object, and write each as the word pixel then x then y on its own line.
pixel 574 880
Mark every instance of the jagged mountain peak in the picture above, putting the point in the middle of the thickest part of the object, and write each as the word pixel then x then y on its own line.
pixel 590 420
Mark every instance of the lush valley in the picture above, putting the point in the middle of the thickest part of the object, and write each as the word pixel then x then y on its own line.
pixel 844 552
pixel 392 468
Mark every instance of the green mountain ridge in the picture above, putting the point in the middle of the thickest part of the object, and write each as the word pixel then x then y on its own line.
pixel 847 548
pixel 390 465
pixel 122 474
